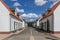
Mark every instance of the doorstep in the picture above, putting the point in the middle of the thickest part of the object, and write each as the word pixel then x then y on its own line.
pixel 3 36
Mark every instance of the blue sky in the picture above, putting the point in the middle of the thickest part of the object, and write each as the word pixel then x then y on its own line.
pixel 31 8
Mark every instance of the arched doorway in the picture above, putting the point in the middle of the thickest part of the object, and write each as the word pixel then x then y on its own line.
pixel 48 26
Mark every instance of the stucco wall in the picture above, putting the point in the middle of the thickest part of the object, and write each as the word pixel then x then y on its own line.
pixel 23 23
pixel 51 22
pixel 57 19
pixel 4 19
pixel 44 21
pixel 44 24
pixel 38 23
pixel 15 23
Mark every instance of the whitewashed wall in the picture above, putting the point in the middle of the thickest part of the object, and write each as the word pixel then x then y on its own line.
pixel 57 19
pixel 45 25
pixel 51 22
pixel 23 24
pixel 38 23
pixel 4 19
pixel 44 21
pixel 7 21
pixel 15 23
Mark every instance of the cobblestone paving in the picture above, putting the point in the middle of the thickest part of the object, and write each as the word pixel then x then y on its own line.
pixel 25 35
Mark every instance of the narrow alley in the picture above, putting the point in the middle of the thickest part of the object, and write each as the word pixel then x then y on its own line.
pixel 32 34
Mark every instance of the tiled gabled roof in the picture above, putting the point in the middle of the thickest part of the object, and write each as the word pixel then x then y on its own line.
pixel 6 6
pixel 11 13
pixel 52 10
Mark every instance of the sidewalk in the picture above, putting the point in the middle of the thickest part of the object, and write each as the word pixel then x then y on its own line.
pixel 56 35
pixel 3 36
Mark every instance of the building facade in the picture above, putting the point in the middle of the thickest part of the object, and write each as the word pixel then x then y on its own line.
pixel 9 22
pixel 50 20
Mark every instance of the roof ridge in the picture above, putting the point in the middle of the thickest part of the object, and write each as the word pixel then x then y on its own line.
pixel 54 6
pixel 9 9
pixel 52 9
pixel 6 6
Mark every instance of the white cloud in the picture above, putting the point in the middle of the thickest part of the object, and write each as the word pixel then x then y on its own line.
pixel 19 10
pixel 29 15
pixel 31 19
pixel 40 2
pixel 16 4
pixel 24 15
pixel 53 0
pixel 40 16
pixel 32 15
pixel 13 0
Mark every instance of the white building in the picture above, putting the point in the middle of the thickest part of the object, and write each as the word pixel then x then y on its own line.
pixel 50 22
pixel 9 22
pixel 38 22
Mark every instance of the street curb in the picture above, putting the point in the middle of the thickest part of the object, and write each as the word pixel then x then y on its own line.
pixel 8 37
pixel 54 36
pixel 19 32
pixel 13 34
